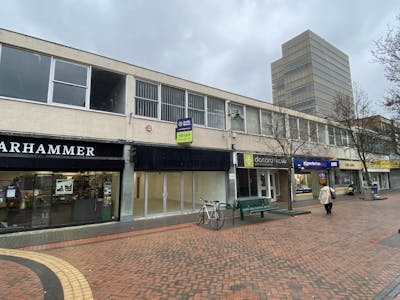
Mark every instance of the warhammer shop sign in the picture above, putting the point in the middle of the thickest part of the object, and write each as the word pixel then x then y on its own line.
pixel 27 146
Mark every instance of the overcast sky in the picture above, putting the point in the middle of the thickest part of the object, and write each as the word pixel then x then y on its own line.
pixel 227 44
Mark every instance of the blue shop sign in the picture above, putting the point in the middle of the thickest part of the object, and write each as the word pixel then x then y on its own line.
pixel 314 163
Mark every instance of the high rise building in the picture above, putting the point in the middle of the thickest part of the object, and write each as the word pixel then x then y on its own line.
pixel 310 74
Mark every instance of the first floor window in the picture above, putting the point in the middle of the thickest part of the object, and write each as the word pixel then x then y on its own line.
pixel 237 117
pixel 216 113
pixel 196 109
pixel 146 100
pixel 172 103
pixel 252 120
pixel 24 74
pixel 70 83
pixel 266 123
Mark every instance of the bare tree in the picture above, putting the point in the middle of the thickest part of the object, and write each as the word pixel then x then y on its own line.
pixel 387 53
pixel 288 146
pixel 357 123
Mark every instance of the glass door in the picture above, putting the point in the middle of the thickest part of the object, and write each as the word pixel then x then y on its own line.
pixel 272 186
pixel 263 183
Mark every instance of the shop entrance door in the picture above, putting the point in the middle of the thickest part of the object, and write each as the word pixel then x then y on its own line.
pixel 263 183
pixel 272 186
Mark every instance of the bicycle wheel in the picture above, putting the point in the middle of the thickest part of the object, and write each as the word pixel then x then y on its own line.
pixel 217 219
pixel 200 216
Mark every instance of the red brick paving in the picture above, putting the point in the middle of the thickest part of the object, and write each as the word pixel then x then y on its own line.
pixel 310 256
pixel 18 282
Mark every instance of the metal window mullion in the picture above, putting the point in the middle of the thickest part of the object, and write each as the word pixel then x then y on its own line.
pixel 165 192
pixel 51 81
pixel 134 95
pixel 206 111
pixel 159 101
pixel 88 81
pixel 244 108
pixel 186 103
pixel 182 198
pixel 146 193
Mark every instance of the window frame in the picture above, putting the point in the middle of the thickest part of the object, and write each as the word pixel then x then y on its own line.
pixel 270 125
pixel 242 119
pixel 52 82
pixel 257 110
pixel 292 129
pixel 158 103
pixel 203 111
pixel 172 106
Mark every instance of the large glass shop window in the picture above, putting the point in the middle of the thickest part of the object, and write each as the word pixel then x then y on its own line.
pixel 31 200
pixel 303 183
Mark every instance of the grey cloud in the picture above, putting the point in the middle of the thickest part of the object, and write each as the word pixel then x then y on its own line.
pixel 228 44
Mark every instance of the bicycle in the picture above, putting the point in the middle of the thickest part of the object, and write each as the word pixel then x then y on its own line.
pixel 215 215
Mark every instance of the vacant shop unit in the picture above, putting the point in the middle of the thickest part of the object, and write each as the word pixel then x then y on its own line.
pixel 169 180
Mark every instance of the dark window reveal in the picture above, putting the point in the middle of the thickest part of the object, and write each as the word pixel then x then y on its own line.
pixel 23 74
pixel 107 91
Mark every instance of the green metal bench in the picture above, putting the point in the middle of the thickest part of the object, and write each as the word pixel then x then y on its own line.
pixel 254 205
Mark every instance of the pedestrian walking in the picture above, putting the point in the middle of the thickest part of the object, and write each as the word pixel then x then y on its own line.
pixel 326 194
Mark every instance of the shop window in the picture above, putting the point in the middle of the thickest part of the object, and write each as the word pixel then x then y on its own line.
pixel 246 180
pixel 46 199
pixel 303 183
pixel 252 120
pixel 24 74
pixel 344 178
pixel 107 91
pixel 215 113
pixel 146 100
pixel 172 103
pixel 70 83
pixel 196 109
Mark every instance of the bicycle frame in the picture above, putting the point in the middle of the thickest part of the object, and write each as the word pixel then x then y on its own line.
pixel 213 212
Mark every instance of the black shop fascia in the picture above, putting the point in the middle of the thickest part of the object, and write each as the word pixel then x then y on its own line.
pixel 28 153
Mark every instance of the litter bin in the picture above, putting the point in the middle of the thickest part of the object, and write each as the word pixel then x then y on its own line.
pixel 375 189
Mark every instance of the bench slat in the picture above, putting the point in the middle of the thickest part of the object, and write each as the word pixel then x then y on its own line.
pixel 253 205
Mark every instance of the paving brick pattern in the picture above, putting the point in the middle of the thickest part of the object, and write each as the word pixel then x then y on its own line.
pixel 18 282
pixel 310 256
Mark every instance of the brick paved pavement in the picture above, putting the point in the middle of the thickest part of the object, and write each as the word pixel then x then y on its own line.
pixel 312 256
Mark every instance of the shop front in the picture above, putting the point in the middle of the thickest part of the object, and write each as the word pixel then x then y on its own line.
pixel 310 173
pixel 348 174
pixel 394 176
pixel 46 183
pixel 174 180
pixel 379 170
pixel 261 175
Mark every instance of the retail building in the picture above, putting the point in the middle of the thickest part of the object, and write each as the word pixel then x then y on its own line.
pixel 88 139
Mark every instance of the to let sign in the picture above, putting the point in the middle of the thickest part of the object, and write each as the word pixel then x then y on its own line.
pixel 183 131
